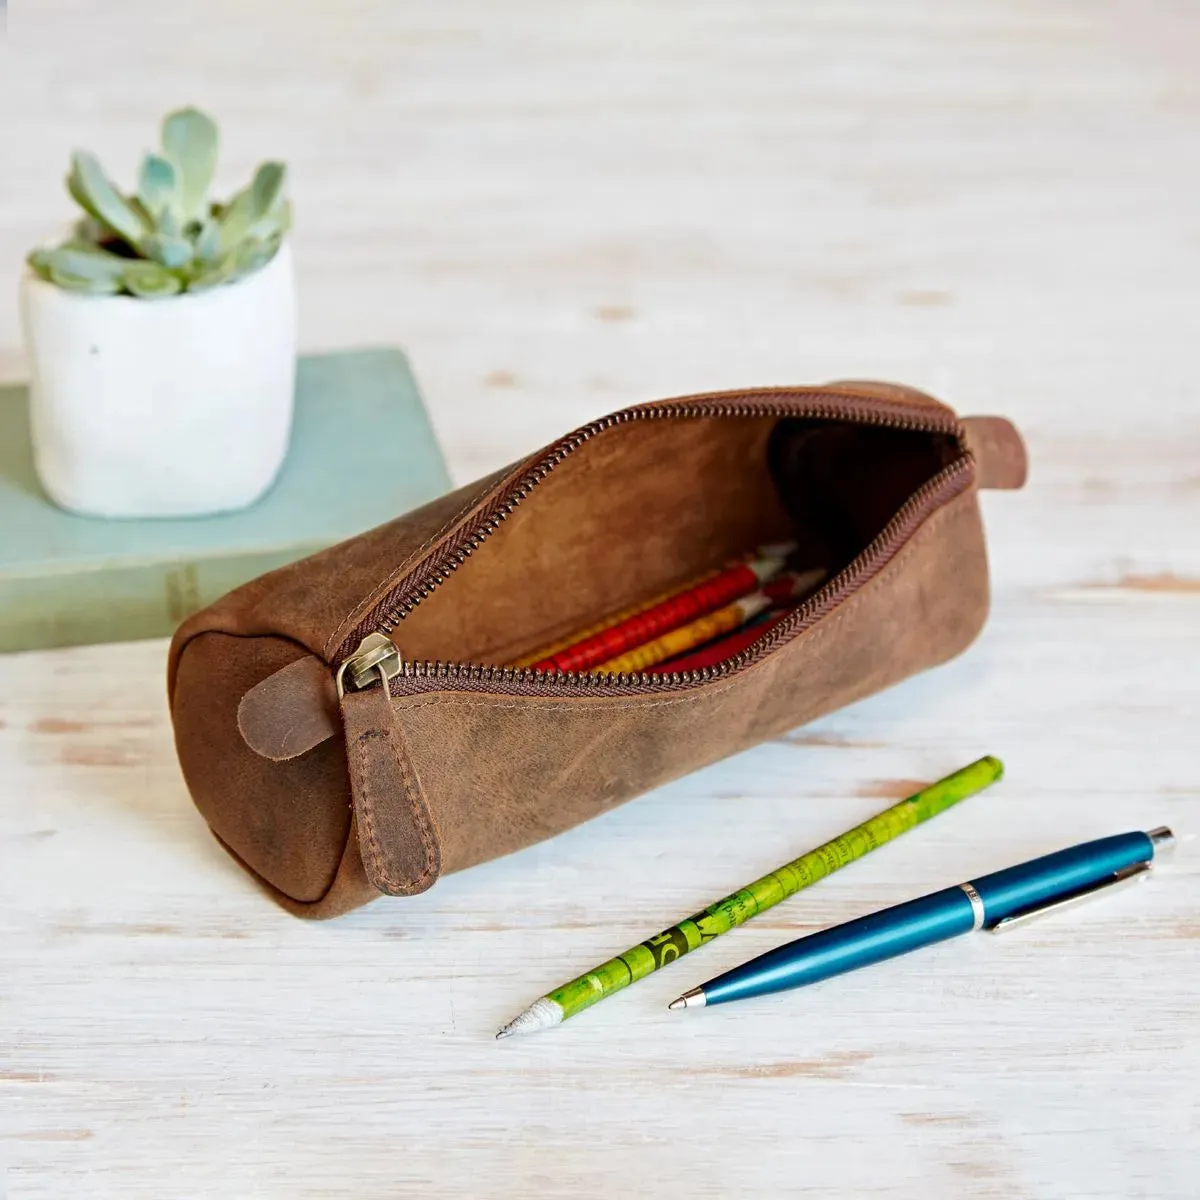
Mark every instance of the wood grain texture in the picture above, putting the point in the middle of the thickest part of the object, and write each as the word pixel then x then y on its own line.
pixel 561 209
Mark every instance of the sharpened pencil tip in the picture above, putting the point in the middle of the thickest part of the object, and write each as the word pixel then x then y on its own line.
pixel 541 1014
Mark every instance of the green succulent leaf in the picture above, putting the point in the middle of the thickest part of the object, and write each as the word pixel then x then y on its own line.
pixel 84 283
pixel 82 262
pixel 208 241
pixel 262 231
pixel 92 190
pixel 168 237
pixel 253 205
pixel 214 274
pixel 267 187
pixel 87 230
pixel 150 281
pixel 77 194
pixel 169 224
pixel 234 222
pixel 158 187
pixel 190 140
pixel 274 224
pixel 252 256
pixel 39 262
pixel 140 211
pixel 172 252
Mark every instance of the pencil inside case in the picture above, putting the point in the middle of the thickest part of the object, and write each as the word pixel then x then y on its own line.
pixel 641 525
pixel 717 651
pixel 348 725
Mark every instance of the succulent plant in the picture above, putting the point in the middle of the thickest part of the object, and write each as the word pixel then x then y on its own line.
pixel 169 237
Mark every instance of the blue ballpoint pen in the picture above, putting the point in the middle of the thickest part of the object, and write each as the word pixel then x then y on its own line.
pixel 997 901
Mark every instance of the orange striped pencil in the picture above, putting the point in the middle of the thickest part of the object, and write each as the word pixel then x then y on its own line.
pixel 712 625
pixel 740 579
pixel 527 660
pixel 546 654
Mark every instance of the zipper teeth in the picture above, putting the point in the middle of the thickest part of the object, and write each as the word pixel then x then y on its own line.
pixel 948 482
pixel 775 402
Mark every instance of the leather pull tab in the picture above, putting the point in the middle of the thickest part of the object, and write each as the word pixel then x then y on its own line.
pixel 999 452
pixel 291 711
pixel 396 836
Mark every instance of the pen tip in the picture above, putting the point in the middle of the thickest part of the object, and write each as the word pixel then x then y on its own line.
pixel 501 1034
pixel 679 1003
pixel 693 999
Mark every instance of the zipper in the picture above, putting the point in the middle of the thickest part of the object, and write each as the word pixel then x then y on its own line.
pixel 376 657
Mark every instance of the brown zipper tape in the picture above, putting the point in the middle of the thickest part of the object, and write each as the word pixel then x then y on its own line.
pixel 870 403
pixel 295 709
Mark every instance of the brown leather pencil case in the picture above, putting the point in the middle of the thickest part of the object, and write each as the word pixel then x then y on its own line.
pixel 348 725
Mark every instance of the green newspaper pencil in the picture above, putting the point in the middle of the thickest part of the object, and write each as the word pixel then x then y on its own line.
pixel 564 1002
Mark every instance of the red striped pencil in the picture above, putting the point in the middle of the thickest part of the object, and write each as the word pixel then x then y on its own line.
pixel 708 596
pixel 546 652
pixel 711 625
pixel 773 550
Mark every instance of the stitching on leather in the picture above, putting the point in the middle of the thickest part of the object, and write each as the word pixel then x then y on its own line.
pixel 824 629
pixel 379 589
pixel 420 811
pixel 368 806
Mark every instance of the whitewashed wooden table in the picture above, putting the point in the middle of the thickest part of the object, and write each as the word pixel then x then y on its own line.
pixel 558 210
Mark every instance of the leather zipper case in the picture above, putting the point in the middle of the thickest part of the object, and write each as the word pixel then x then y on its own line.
pixel 348 725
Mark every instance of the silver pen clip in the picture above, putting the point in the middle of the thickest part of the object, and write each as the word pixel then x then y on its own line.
pixel 1162 840
pixel 1122 878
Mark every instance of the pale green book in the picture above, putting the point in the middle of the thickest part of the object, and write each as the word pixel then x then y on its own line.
pixel 362 453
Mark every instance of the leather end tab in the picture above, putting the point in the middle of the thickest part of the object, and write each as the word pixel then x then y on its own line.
pixel 290 712
pixel 999 452
pixel 396 838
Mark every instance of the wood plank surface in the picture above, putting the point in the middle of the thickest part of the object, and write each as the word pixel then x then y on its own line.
pixel 559 210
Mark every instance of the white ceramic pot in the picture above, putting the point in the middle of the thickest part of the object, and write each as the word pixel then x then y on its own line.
pixel 162 408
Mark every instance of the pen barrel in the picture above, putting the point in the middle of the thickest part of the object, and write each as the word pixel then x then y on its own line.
pixel 859 943
pixel 1056 876
pixel 757 897
pixel 905 927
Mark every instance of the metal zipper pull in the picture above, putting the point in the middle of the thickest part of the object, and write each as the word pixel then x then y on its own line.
pixel 376 657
